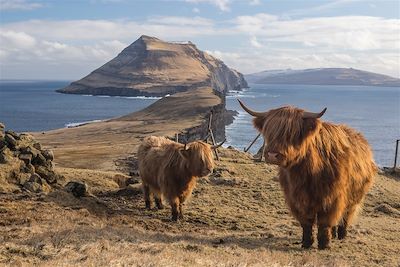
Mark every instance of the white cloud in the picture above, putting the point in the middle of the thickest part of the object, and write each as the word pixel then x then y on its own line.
pixel 255 2
pixel 320 8
pixel 76 47
pixel 196 10
pixel 348 32
pixel 18 4
pixel 91 30
pixel 22 54
pixel 181 21
pixel 223 5
pixel 254 42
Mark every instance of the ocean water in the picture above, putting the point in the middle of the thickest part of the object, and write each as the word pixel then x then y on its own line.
pixel 35 106
pixel 374 111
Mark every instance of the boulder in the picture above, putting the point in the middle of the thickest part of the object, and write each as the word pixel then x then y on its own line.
pixel 34 184
pixel 2 130
pixel 3 143
pixel 37 145
pixel 49 176
pixel 26 158
pixel 11 142
pixel 36 178
pixel 5 155
pixel 30 150
pixel 29 168
pixel 33 187
pixel 49 165
pixel 39 160
pixel 48 154
pixel 23 178
pixel 13 134
pixel 78 189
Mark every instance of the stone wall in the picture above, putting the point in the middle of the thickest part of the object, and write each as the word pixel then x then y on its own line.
pixel 24 164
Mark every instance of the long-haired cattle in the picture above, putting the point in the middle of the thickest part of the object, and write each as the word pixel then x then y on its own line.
pixel 170 169
pixel 325 169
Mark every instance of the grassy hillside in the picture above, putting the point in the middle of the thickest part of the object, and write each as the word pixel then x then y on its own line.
pixel 236 217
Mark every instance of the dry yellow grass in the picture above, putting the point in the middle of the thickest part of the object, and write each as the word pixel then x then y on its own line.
pixel 236 217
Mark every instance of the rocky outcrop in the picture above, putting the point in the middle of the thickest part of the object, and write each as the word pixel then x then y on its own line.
pixel 24 165
pixel 152 67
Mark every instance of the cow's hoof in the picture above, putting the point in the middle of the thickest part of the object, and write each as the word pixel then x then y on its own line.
pixel 307 242
pixel 306 245
pixel 148 205
pixel 324 245
pixel 341 233
pixel 334 231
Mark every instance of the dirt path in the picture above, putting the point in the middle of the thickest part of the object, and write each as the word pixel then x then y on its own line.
pixel 236 217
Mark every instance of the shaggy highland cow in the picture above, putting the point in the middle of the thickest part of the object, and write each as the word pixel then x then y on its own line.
pixel 325 169
pixel 170 169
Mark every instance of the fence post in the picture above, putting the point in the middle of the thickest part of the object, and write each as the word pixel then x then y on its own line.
pixel 395 155
pixel 212 135
pixel 255 139
pixel 177 137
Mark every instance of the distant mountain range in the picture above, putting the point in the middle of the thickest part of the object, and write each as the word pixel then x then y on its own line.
pixel 152 67
pixel 323 76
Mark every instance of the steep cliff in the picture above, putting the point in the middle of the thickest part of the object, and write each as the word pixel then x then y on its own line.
pixel 152 67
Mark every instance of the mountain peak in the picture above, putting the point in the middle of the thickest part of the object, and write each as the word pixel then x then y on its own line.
pixel 153 67
pixel 148 38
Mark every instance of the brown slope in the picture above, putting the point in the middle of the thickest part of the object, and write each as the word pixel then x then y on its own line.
pixel 101 145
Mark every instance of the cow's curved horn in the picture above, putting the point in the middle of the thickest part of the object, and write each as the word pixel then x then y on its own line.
pixel 251 112
pixel 312 115
pixel 218 145
pixel 206 138
pixel 185 147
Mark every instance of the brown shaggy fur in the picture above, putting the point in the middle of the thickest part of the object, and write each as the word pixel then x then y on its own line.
pixel 168 169
pixel 325 170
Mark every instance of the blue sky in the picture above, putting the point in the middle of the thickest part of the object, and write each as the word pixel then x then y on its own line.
pixel 68 39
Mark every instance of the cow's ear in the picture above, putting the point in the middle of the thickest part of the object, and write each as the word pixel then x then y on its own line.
pixel 258 123
pixel 309 126
pixel 185 153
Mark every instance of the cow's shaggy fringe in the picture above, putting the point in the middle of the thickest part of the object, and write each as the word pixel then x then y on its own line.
pixel 325 169
pixel 170 169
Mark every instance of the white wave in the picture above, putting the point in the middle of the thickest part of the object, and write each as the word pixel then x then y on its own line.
pixel 76 124
pixel 241 96
pixel 130 97
pixel 142 97
pixel 268 95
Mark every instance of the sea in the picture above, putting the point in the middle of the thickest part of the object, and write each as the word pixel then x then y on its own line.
pixel 34 106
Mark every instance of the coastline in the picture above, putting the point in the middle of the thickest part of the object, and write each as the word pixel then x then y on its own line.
pixel 104 145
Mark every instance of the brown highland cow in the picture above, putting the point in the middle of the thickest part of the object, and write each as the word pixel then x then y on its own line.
pixel 325 169
pixel 170 169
